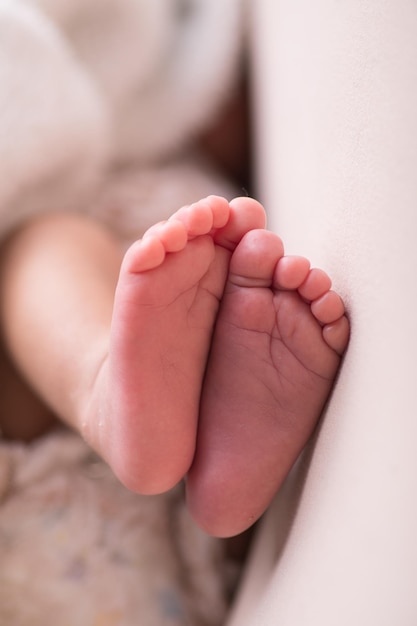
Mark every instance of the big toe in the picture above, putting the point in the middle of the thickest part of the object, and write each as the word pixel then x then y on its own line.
pixel 246 214
pixel 255 258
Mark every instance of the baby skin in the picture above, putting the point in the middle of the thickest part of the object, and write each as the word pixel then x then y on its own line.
pixel 222 355
pixel 203 353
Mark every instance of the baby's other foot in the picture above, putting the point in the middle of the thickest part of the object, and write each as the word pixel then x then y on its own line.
pixel 166 302
pixel 278 340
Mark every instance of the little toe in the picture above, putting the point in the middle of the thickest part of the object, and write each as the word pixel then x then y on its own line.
pixel 328 308
pixel 291 272
pixel 255 258
pixel 336 335
pixel 315 285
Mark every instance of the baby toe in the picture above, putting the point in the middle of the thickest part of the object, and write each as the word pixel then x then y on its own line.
pixel 255 258
pixel 328 308
pixel 291 272
pixel 336 334
pixel 315 285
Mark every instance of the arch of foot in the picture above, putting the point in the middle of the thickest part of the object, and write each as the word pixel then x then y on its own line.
pixel 335 100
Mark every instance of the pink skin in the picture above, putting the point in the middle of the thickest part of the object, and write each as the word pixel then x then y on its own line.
pixel 220 356
pixel 166 302
pixel 231 407
pixel 276 348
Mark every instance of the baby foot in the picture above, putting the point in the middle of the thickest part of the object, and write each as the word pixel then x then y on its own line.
pixel 276 348
pixel 166 302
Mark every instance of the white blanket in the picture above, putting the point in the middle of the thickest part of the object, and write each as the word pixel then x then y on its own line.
pixel 89 85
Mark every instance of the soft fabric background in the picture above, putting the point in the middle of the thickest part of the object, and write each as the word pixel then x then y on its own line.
pixel 336 99
pixel 90 86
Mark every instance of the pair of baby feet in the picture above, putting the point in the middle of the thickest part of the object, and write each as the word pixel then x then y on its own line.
pixel 222 354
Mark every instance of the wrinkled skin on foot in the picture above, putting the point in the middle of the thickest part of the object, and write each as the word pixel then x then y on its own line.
pixel 276 349
pixel 147 393
pixel 222 354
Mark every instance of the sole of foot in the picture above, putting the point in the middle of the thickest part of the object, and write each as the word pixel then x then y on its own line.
pixel 278 341
pixel 166 303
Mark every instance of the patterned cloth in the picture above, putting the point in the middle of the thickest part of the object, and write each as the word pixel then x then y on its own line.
pixel 78 549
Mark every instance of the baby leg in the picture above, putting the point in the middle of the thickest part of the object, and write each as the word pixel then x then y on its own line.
pixel 118 348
